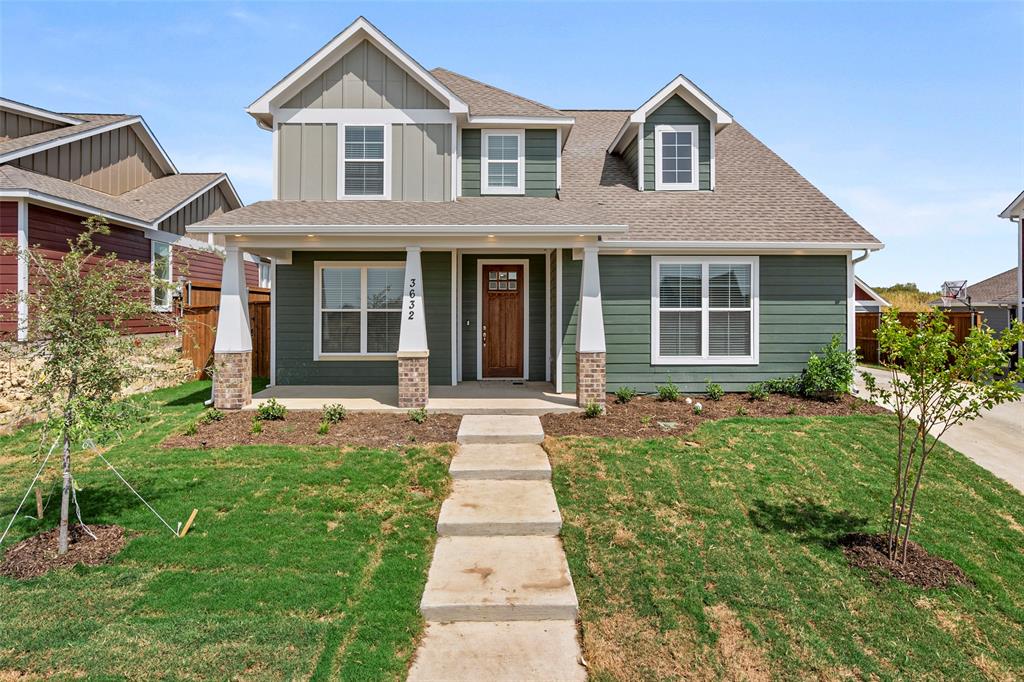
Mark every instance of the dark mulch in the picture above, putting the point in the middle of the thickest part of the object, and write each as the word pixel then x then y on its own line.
pixel 640 417
pixel 299 427
pixel 870 552
pixel 34 556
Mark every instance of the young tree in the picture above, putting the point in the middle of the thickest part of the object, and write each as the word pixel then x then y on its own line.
pixel 933 385
pixel 78 356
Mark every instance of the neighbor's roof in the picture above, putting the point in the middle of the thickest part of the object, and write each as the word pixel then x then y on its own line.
pixel 487 100
pixel 90 122
pixel 1001 289
pixel 1015 209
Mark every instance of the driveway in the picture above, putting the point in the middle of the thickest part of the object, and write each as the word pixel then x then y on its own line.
pixel 994 441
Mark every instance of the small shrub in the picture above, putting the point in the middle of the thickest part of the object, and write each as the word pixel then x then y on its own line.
pixel 592 410
pixel 791 386
pixel 211 415
pixel 741 411
pixel 646 420
pixel 757 391
pixel 334 413
pixel 192 429
pixel 271 411
pixel 714 391
pixel 623 394
pixel 668 393
pixel 419 415
pixel 698 408
pixel 791 410
pixel 324 428
pixel 829 372
pixel 257 426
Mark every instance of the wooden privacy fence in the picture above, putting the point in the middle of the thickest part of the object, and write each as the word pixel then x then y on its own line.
pixel 962 321
pixel 201 308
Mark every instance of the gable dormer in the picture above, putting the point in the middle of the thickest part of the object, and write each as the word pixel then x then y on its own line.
pixel 669 142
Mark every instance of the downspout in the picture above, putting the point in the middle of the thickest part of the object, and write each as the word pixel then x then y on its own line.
pixel 862 258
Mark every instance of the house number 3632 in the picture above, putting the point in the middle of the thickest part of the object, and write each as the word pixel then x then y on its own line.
pixel 412 298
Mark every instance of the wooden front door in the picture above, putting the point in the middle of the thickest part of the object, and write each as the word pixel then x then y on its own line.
pixel 501 332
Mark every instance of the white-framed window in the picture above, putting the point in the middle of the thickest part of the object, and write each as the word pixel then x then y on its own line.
pixel 676 156
pixel 264 274
pixel 704 310
pixel 160 269
pixel 502 162
pixel 358 308
pixel 364 164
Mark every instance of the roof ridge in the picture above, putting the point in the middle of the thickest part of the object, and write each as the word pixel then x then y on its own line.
pixel 495 87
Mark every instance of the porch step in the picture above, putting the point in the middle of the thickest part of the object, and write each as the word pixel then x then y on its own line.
pixel 500 429
pixel 516 461
pixel 500 508
pixel 506 651
pixel 499 579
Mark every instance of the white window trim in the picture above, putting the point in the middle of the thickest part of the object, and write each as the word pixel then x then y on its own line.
pixel 520 188
pixel 755 332
pixel 387 164
pixel 318 268
pixel 170 276
pixel 694 130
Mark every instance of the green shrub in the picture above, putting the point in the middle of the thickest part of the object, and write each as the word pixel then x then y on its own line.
pixel 191 429
pixel 593 410
pixel 624 394
pixel 791 385
pixel 257 426
pixel 829 372
pixel 211 415
pixel 324 428
pixel 271 411
pixel 757 391
pixel 334 413
pixel 714 391
pixel 741 411
pixel 791 410
pixel 646 420
pixel 668 393
pixel 419 415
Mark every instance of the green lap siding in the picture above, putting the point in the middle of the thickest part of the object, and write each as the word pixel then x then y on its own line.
pixel 294 313
pixel 802 304
pixel 541 163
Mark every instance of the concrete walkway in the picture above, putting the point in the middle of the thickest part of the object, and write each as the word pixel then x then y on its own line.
pixel 499 601
pixel 994 441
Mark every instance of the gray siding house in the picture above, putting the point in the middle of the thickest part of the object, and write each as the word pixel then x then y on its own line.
pixel 428 229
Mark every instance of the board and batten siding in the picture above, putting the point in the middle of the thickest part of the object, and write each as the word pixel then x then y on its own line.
pixel 541 158
pixel 676 111
pixel 802 304
pixel 209 203
pixel 14 125
pixel 364 78
pixel 294 344
pixel 308 161
pixel 421 162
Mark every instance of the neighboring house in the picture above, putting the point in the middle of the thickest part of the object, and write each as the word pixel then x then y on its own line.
pixel 427 228
pixel 868 300
pixel 1015 213
pixel 995 298
pixel 56 169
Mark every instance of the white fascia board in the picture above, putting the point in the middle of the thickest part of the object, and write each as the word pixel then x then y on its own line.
pixel 362 116
pixel 411 230
pixel 154 146
pixel 328 54
pixel 36 112
pixel 839 247
pixel 547 121
pixel 199 192
pixel 870 292
pixel 1015 209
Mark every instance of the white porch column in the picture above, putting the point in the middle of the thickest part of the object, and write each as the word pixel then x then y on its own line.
pixel 22 270
pixel 413 378
pixel 232 350
pixel 590 346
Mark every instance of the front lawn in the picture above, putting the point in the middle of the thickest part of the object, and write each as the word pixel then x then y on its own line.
pixel 303 562
pixel 716 557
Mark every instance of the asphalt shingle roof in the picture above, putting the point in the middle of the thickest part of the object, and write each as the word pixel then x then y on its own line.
pixel 487 100
pixel 91 122
pixel 1001 288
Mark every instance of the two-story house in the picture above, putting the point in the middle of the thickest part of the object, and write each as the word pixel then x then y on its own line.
pixel 427 229
pixel 1015 213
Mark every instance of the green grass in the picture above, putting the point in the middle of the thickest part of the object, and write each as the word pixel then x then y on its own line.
pixel 302 562
pixel 716 557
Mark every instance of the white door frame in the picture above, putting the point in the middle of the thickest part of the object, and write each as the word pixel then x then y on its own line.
pixel 525 262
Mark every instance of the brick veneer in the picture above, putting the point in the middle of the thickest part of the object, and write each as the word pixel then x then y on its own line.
pixel 413 382
pixel 590 379
pixel 232 380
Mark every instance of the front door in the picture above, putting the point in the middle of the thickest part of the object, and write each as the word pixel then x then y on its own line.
pixel 501 333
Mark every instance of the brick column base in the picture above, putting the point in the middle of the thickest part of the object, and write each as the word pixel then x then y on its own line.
pixel 590 379
pixel 232 380
pixel 413 381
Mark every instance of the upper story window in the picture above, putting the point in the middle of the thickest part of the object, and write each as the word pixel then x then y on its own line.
pixel 503 168
pixel 364 164
pixel 675 157
pixel 160 268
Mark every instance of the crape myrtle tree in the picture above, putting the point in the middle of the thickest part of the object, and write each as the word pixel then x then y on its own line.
pixel 78 356
pixel 932 385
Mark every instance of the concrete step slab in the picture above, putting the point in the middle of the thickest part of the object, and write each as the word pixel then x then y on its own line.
pixel 505 651
pixel 499 578
pixel 499 429
pixel 515 461
pixel 500 508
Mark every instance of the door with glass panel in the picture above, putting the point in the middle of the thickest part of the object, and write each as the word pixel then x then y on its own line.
pixel 501 331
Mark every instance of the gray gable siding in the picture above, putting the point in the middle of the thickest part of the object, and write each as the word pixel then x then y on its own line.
pixel 308 161
pixel 677 111
pixel 421 162
pixel 802 304
pixel 209 203
pixel 541 159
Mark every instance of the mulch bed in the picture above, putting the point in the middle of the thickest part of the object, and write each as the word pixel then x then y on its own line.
pixel 34 556
pixel 640 417
pixel 299 427
pixel 870 552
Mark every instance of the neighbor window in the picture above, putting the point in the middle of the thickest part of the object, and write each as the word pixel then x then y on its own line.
pixel 704 311
pixel 502 162
pixel 359 308
pixel 675 157
pixel 160 268
pixel 363 164
pixel 264 274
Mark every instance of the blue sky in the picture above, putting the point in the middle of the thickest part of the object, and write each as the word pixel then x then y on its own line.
pixel 909 115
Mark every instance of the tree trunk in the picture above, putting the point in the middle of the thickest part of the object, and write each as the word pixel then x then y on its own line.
pixel 65 495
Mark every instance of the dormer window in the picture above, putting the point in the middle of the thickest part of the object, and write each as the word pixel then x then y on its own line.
pixel 364 174
pixel 675 157
pixel 503 166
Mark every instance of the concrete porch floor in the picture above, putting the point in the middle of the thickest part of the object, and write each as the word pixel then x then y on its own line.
pixel 469 397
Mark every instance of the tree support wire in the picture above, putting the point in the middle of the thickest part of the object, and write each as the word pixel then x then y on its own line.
pixel 29 491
